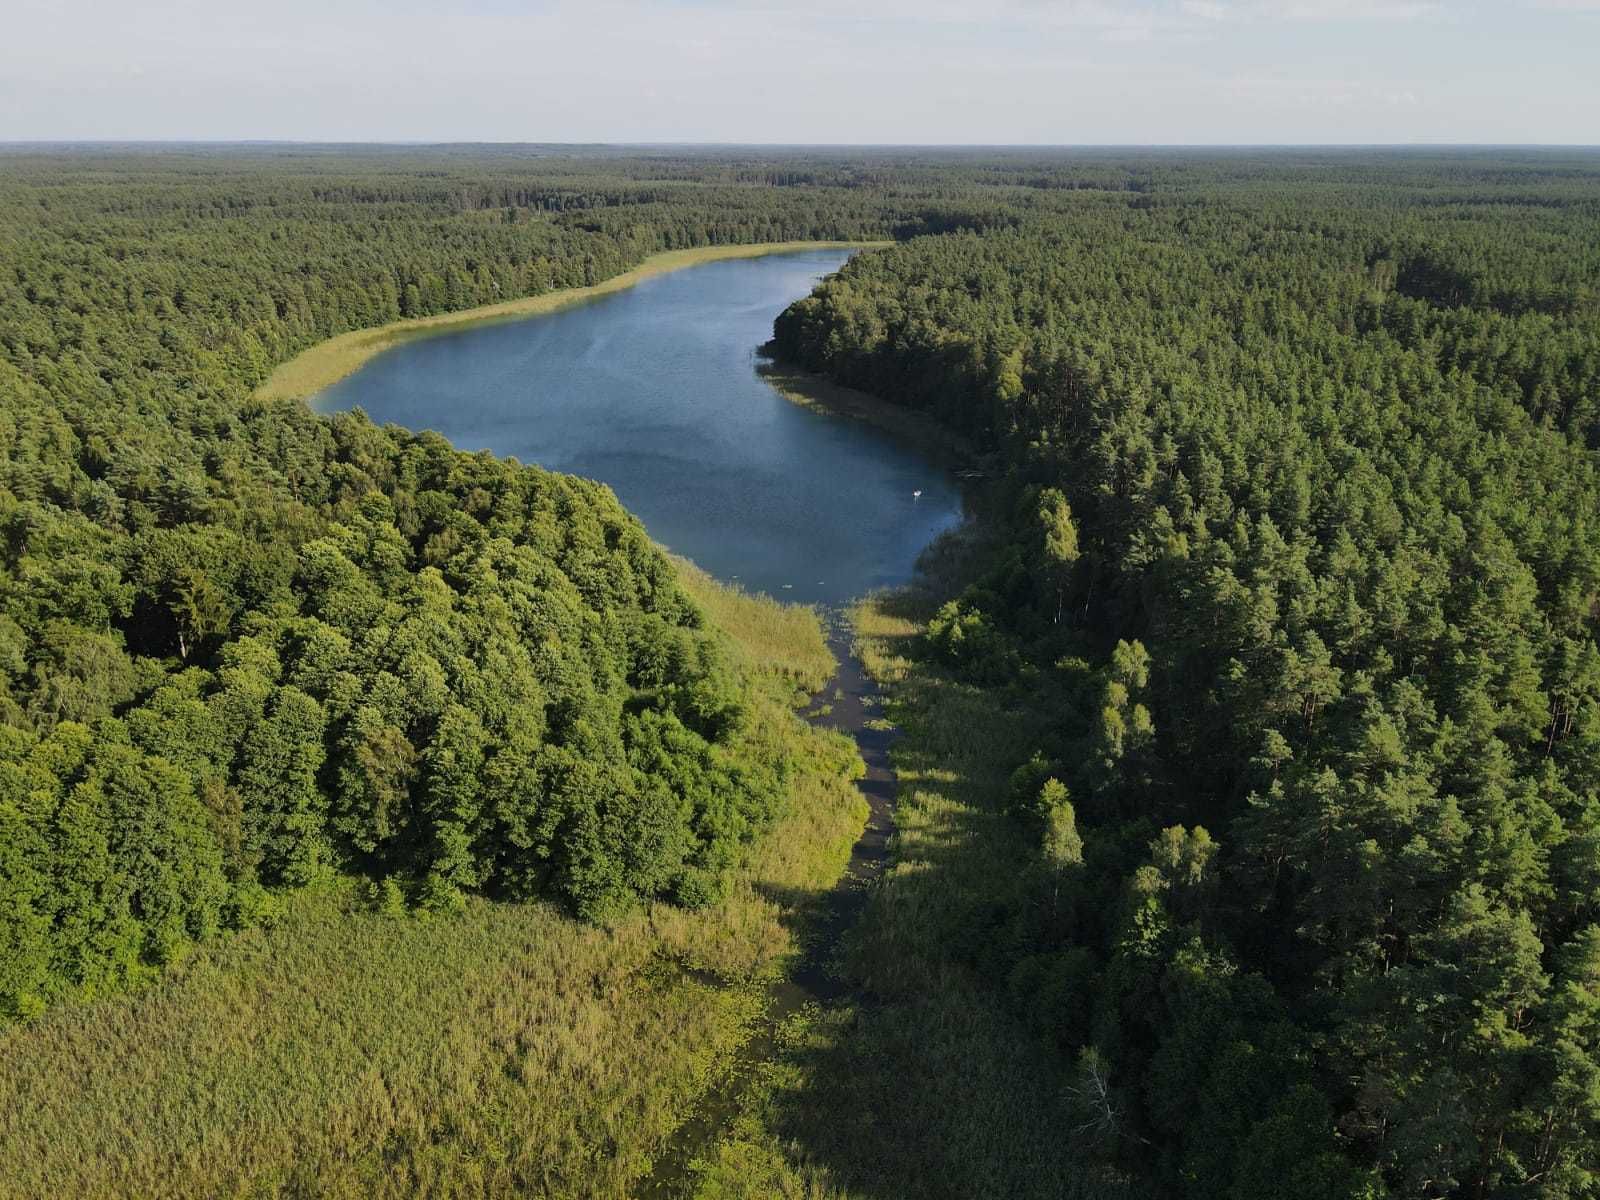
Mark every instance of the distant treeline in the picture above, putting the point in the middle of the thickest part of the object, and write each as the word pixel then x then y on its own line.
pixel 1297 550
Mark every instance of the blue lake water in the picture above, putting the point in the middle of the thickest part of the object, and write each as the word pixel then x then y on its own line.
pixel 654 391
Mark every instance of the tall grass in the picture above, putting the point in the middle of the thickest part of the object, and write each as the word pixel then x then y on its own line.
pixel 923 1085
pixel 505 1050
pixel 324 364
pixel 782 640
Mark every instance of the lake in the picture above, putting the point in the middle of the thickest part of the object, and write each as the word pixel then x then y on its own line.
pixel 654 391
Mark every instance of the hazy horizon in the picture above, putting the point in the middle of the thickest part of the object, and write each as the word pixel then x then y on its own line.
pixel 424 143
pixel 1027 73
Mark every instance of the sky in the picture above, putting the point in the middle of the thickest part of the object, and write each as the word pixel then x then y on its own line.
pixel 1074 72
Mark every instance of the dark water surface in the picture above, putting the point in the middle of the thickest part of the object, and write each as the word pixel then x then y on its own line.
pixel 654 391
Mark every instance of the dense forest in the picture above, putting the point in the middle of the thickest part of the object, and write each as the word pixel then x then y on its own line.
pixel 242 646
pixel 1288 540
pixel 1295 551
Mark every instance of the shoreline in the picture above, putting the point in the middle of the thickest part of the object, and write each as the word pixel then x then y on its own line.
pixel 321 366
pixel 820 394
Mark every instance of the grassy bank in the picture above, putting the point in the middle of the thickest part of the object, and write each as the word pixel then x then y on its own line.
pixel 505 1050
pixel 922 1085
pixel 328 362
pixel 782 641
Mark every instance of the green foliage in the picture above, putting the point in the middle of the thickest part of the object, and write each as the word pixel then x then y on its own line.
pixel 387 896
pixel 965 637
pixel 1061 552
pixel 243 647
pixel 1289 538
pixel 1063 844
pixel 503 1049
pixel 1296 462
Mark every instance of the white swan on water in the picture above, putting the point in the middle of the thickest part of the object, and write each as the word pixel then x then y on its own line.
pixel 916 494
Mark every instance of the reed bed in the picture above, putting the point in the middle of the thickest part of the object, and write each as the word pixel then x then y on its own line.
pixel 923 1084
pixel 508 1049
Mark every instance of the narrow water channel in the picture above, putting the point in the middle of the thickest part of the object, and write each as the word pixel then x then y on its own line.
pixel 851 704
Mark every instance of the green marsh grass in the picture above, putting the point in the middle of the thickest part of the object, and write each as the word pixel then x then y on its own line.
pixel 784 640
pixel 922 1085
pixel 504 1050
